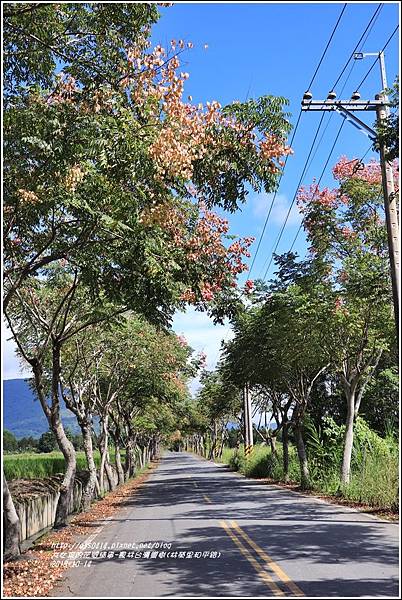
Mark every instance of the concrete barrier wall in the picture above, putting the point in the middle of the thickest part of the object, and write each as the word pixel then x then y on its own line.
pixel 36 501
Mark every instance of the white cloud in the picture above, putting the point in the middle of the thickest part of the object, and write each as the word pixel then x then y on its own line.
pixel 202 335
pixel 197 328
pixel 262 202
pixel 12 368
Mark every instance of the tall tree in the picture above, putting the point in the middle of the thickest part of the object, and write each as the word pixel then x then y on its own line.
pixel 345 227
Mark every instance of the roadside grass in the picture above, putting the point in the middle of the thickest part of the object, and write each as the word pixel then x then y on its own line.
pixel 31 465
pixel 374 480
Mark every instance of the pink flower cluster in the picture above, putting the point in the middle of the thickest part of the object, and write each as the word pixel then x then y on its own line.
pixel 370 172
pixel 326 197
pixel 248 286
pixel 157 84
pixel 182 341
pixel 65 90
pixel 203 359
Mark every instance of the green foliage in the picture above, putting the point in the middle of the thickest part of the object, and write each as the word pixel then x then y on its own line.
pixel 388 130
pixel 261 464
pixel 218 398
pixel 27 444
pixel 380 403
pixel 10 442
pixel 375 465
pixel 376 481
pixel 87 38
pixel 47 442
pixel 92 180
pixel 226 174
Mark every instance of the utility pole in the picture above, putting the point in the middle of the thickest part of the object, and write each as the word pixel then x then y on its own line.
pixel 391 215
pixel 380 105
pixel 248 424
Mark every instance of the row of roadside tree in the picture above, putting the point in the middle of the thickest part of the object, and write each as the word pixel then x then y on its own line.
pixel 111 178
pixel 318 342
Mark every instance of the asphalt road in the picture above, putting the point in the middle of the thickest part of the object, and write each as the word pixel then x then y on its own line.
pixel 247 539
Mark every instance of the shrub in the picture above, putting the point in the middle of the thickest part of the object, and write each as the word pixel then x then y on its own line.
pixel 374 479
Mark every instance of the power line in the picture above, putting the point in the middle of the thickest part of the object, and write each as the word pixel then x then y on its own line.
pixel 297 188
pixel 376 60
pixel 362 40
pixel 273 198
pixel 359 86
pixel 293 136
pixel 357 45
pixel 345 83
pixel 327 46
pixel 332 114
pixel 321 176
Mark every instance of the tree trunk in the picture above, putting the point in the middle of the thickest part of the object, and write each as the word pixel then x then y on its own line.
pixel 272 443
pixel 130 463
pixel 301 452
pixel 119 466
pixel 141 457
pixel 66 447
pixel 109 472
pixel 221 446
pixel 103 449
pixel 11 522
pixel 212 451
pixel 67 487
pixel 285 448
pixel 348 439
pixel 88 491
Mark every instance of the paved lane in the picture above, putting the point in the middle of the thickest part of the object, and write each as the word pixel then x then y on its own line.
pixel 270 542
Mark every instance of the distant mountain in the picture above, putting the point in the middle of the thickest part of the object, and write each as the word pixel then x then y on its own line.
pixel 23 414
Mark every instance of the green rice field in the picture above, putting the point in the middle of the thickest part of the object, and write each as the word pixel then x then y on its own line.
pixel 30 465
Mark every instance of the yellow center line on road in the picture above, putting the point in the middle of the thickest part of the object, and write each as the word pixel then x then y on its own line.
pixel 267 579
pixel 269 561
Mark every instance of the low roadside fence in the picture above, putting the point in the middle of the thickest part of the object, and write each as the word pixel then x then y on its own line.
pixel 36 500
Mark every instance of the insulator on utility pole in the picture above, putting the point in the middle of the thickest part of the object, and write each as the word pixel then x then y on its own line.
pixel 380 105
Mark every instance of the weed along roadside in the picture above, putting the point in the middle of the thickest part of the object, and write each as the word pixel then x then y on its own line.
pixel 146 175
pixel 373 487
pixel 37 570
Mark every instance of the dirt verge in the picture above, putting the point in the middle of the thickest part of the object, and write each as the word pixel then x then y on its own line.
pixel 33 574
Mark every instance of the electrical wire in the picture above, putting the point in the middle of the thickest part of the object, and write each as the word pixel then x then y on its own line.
pixel 378 58
pixel 364 37
pixel 276 243
pixel 273 198
pixel 293 136
pixel 327 46
pixel 295 196
pixel 376 12
pixel 358 87
pixel 361 41
pixel 345 84
pixel 360 160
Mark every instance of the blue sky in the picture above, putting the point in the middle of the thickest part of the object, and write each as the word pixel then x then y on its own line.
pixel 273 48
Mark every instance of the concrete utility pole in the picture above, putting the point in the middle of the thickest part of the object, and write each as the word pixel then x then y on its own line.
pixel 380 105
pixel 248 424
